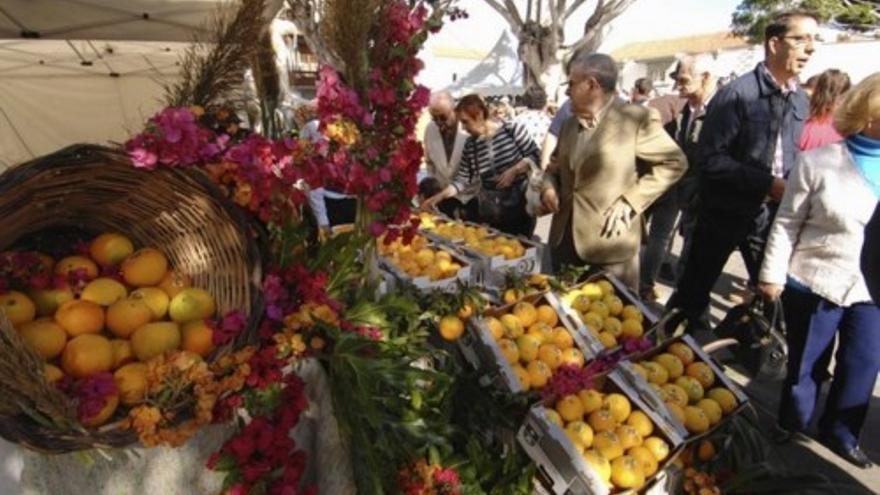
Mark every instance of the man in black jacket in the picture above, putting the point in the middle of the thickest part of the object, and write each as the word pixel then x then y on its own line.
pixel 748 144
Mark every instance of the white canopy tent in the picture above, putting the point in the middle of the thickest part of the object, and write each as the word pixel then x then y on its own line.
pixel 88 70
pixel 500 73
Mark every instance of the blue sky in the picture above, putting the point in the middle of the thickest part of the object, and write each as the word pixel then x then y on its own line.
pixel 644 20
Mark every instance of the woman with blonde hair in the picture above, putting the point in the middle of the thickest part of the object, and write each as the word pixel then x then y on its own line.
pixel 827 91
pixel 813 254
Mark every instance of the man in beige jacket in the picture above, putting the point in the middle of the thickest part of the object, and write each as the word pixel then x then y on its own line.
pixel 613 160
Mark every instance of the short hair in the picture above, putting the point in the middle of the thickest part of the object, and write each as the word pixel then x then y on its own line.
pixel 697 64
pixel 860 105
pixel 441 96
pixel 781 23
pixel 429 186
pixel 643 85
pixel 535 98
pixel 829 87
pixel 473 105
pixel 597 65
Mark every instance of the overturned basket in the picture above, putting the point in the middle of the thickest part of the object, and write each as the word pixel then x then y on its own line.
pixel 94 189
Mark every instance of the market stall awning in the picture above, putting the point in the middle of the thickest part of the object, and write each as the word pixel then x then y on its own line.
pixel 88 70
pixel 499 73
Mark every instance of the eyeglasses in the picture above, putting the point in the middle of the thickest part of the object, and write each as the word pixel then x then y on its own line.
pixel 803 40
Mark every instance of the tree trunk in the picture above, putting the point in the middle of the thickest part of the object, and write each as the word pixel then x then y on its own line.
pixel 305 15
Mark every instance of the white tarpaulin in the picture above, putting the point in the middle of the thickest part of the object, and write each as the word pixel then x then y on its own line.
pixel 87 70
pixel 500 73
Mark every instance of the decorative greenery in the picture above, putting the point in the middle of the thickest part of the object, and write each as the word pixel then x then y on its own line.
pixel 752 16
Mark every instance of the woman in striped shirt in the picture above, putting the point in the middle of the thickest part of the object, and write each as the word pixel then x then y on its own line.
pixel 496 157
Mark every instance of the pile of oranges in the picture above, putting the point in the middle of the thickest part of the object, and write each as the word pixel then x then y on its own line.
pixel 687 386
pixel 418 259
pixel 604 313
pixel 617 440
pixel 533 342
pixel 115 323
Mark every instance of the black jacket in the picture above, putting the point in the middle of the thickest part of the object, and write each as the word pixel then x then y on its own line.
pixel 738 141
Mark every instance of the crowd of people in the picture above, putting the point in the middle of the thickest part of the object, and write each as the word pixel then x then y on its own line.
pixel 786 173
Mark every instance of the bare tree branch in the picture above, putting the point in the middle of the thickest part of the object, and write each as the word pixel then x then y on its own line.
pixel 511 7
pixel 576 5
pixel 305 14
pixel 516 26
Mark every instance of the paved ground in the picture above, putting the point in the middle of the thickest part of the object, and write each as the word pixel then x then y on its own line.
pixel 805 455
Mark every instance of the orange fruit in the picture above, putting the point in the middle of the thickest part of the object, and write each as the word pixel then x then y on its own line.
pixel 561 338
pixel 126 316
pixel 682 351
pixel 657 374
pixel 509 350
pixel 73 263
pixel 154 339
pixel 613 326
pixel 724 398
pixel 551 355
pixel 626 472
pixel 543 331
pixel 197 337
pixel 618 405
pixel 645 458
pixel 701 372
pixel 601 309
pixel 512 326
pixel 712 410
pixel 131 380
pixel 539 373
pixel 608 444
pixel 18 307
pixel 695 420
pixel 599 463
pixel 451 326
pixel 570 408
pixel 52 373
pixel 573 357
pixel 677 410
pixel 79 317
pixel 658 447
pixel 155 298
pixel 512 295
pixel 145 267
pixel 594 321
pixel 676 394
pixel 47 261
pixel 173 282
pixel 48 300
pixel 528 346
pixel 641 422
pixel 591 400
pixel 198 304
pixel 110 249
pixel 629 436
pixel 554 417
pixel 674 366
pixel 86 355
pixel 104 291
pixel 607 340
pixel 44 336
pixel 601 420
pixel 523 376
pixel 580 433
pixel 496 329
pixel 526 313
pixel 122 353
pixel 614 303
pixel 706 451
pixel 692 387
pixel 112 402
pixel 631 329
pixel 638 368
pixel 631 312
pixel 606 287
pixel 547 314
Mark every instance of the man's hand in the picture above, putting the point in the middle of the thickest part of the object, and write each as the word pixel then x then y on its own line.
pixel 618 218
pixel 431 203
pixel 508 177
pixel 769 292
pixel 550 200
pixel 777 189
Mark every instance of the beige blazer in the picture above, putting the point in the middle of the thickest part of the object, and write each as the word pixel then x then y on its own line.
pixel 820 227
pixel 629 155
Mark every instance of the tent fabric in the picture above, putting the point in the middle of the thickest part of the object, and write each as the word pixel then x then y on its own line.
pixel 88 70
pixel 500 73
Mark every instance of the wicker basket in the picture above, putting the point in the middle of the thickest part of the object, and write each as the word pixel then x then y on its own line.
pixel 93 189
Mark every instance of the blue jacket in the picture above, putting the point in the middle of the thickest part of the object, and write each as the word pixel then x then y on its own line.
pixel 738 141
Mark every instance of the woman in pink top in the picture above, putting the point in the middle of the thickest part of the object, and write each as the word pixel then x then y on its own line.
pixel 819 129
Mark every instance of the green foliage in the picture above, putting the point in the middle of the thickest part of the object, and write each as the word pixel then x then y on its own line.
pixel 751 16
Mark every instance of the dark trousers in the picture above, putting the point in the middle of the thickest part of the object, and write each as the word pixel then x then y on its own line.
pixel 663 214
pixel 453 208
pixel 812 323
pixel 715 237
pixel 340 211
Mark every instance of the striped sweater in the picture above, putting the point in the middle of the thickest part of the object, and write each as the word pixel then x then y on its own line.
pixel 510 144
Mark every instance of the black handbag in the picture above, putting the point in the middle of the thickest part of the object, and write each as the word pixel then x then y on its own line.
pixel 759 328
pixel 501 206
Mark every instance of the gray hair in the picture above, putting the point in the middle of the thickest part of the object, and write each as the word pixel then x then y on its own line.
pixel 442 97
pixel 698 64
pixel 597 65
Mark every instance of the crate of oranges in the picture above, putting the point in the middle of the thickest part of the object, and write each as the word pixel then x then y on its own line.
pixel 493 253
pixel 609 310
pixel 686 385
pixel 526 342
pixel 427 265
pixel 599 440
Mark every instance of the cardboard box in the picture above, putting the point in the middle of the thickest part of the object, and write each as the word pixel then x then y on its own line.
pixel 424 283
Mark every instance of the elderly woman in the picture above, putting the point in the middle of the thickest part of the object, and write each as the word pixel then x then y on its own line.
pixel 496 160
pixel 813 253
